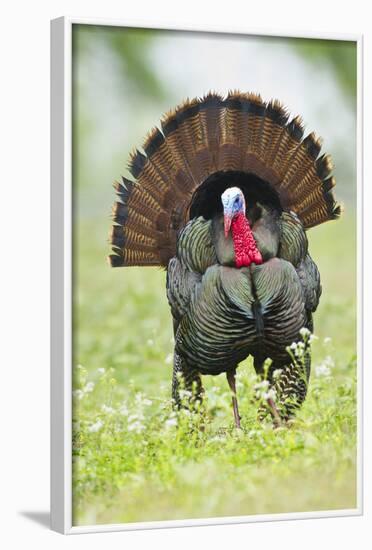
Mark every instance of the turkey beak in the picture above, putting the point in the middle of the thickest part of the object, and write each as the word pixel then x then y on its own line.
pixel 227 223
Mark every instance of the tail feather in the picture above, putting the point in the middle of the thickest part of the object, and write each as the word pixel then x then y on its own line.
pixel 212 115
pixel 276 118
pixel 175 141
pixel 240 133
pixel 256 112
pixel 289 143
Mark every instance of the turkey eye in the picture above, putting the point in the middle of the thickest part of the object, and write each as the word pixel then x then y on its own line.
pixel 236 201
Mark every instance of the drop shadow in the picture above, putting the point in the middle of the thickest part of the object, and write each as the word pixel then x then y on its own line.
pixel 42 518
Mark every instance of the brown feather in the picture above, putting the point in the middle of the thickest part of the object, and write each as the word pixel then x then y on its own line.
pixel 205 135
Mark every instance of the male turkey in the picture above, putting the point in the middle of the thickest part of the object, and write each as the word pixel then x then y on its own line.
pixel 222 198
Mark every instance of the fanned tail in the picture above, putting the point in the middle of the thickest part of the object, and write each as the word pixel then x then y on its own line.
pixel 204 137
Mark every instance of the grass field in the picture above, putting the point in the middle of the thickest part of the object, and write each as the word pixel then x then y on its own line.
pixel 134 460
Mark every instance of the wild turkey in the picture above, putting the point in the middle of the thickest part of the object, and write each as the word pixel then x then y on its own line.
pixel 222 197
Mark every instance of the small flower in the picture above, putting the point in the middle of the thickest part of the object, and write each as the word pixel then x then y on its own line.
pixel 79 394
pixel 136 426
pixel 106 409
pixel 124 410
pixel 304 332
pixel 171 422
pixel 293 346
pixel 89 387
pixel 277 373
pixel 140 399
pixel 327 340
pixel 271 394
pixel 95 427
pixel 322 370
pixel 263 384
pixel 169 359
pixel 185 393
pixel 150 342
pixel 101 370
pixel 329 361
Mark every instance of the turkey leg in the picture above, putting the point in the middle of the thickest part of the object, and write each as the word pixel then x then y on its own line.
pixel 275 413
pixel 231 380
pixel 185 378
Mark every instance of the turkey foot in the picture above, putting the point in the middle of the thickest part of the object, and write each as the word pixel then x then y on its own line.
pixel 231 380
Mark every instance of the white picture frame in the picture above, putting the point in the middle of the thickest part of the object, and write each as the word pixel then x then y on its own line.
pixel 61 282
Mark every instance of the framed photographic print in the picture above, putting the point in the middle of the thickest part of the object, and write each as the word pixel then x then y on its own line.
pixel 206 282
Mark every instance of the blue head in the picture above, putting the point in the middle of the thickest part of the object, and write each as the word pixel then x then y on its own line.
pixel 233 204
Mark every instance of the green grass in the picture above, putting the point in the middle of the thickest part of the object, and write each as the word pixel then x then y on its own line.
pixel 133 460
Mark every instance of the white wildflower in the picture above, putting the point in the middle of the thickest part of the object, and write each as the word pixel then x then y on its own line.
pixel 263 392
pixel 277 373
pixel 101 370
pixel 169 359
pixel 217 438
pixel 327 340
pixel 262 385
pixel 79 394
pixel 271 394
pixel 184 393
pixel 106 409
pixel 329 361
pixel 124 410
pixel 322 370
pixel 89 387
pixel 293 346
pixel 136 427
pixel 312 338
pixel 95 427
pixel 304 332
pixel 140 399
pixel 150 342
pixel 171 422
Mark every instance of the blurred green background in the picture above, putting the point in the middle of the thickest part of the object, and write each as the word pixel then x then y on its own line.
pixel 123 81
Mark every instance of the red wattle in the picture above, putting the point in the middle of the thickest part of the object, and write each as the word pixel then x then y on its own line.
pixel 246 251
